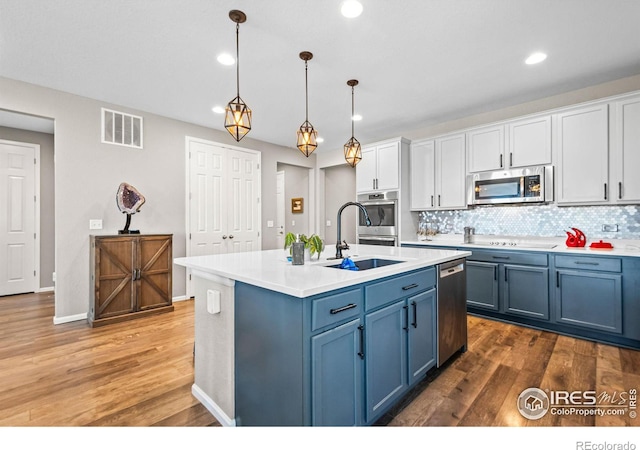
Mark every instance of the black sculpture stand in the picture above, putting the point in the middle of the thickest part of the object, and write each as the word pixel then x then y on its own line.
pixel 126 229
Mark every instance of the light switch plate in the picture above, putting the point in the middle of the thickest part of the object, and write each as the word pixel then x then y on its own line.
pixel 269 223
pixel 328 223
pixel 293 223
pixel 95 224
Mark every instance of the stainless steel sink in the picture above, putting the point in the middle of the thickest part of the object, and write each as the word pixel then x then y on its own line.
pixel 371 263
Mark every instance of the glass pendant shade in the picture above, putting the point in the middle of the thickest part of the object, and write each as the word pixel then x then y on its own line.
pixel 307 138
pixel 352 149
pixel 352 152
pixel 237 119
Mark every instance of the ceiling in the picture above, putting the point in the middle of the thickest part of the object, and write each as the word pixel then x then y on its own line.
pixel 419 62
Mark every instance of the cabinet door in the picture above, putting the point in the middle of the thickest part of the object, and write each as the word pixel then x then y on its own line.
pixel 366 170
pixel 388 169
pixel 589 300
pixel 422 171
pixel 529 142
pixel 482 285
pixel 385 358
pixel 422 332
pixel 626 152
pixel 155 263
pixel 336 376
pixel 526 291
pixel 451 172
pixel 114 285
pixel 485 149
pixel 583 155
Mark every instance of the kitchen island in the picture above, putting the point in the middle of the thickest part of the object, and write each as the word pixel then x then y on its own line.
pixel 277 344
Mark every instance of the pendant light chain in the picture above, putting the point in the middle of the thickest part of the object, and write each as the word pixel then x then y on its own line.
pixel 238 59
pixel 306 92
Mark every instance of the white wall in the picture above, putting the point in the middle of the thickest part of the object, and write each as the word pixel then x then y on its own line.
pixel 88 173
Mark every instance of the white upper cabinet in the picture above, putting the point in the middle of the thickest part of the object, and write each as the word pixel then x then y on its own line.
pixel 625 151
pixel 450 172
pixel 438 173
pixel 485 148
pixel 379 169
pixel 581 149
pixel 422 169
pixel 529 142
pixel 518 143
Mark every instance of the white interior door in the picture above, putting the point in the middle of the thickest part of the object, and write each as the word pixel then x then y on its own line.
pixel 17 225
pixel 243 200
pixel 280 209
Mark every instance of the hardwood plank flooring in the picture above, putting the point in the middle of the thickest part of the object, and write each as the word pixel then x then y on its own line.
pixel 139 373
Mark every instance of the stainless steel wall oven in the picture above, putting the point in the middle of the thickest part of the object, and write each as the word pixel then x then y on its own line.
pixel 382 208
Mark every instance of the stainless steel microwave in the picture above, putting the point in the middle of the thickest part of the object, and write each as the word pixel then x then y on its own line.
pixel 532 184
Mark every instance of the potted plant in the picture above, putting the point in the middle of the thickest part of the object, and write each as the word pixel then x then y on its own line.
pixel 313 244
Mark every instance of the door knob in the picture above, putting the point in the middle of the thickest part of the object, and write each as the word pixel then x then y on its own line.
pixel 224 236
pixel 231 236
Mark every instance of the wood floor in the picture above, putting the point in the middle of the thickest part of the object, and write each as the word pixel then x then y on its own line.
pixel 139 373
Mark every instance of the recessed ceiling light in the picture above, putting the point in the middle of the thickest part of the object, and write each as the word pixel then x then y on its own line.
pixel 536 58
pixel 351 8
pixel 356 117
pixel 226 59
pixel 319 139
pixel 218 109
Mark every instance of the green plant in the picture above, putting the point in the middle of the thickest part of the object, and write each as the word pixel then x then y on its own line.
pixel 314 243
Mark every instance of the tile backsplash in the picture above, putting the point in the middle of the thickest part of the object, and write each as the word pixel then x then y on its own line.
pixel 540 220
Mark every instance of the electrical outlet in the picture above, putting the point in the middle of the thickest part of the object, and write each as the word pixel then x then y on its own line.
pixel 53 277
pixel 610 227
pixel 95 224
pixel 293 223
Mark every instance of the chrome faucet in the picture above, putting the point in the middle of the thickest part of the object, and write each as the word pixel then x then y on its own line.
pixel 343 245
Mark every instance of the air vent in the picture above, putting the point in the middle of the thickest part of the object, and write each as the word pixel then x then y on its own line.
pixel 121 129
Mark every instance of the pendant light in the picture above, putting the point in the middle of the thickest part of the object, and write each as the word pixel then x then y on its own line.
pixel 306 134
pixel 237 114
pixel 352 149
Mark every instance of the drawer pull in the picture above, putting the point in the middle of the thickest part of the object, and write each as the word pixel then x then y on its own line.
pixel 411 286
pixel 501 257
pixel 587 263
pixel 342 308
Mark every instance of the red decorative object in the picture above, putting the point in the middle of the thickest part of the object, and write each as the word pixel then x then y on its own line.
pixel 576 239
pixel 600 244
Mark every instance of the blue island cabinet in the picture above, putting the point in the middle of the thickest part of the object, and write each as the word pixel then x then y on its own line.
pixel 342 358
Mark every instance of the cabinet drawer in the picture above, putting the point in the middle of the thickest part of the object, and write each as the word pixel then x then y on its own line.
pixel 378 294
pixel 590 263
pixel 530 259
pixel 336 308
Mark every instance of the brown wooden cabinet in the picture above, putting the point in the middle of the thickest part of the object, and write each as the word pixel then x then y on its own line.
pixel 131 276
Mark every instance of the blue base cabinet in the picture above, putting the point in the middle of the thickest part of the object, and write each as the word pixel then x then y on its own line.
pixel 343 358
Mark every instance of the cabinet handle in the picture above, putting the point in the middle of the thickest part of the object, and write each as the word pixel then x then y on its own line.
pixel 510 159
pixel 587 263
pixel 605 191
pixel 406 318
pixel 361 352
pixel 501 257
pixel 415 314
pixel 438 199
pixel 506 280
pixel 495 273
pixel 432 201
pixel 557 279
pixel 411 286
pixel 342 308
pixel 620 190
pixel 134 274
pixel 373 181
pixel 500 161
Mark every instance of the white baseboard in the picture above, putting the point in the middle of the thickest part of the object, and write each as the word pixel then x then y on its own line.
pixel 180 298
pixel 65 319
pixel 45 289
pixel 212 407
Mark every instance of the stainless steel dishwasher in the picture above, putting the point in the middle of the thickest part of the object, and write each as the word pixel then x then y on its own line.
pixel 452 309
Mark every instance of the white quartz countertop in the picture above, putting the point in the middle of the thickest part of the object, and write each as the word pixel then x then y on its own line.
pixel 270 269
pixel 621 247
